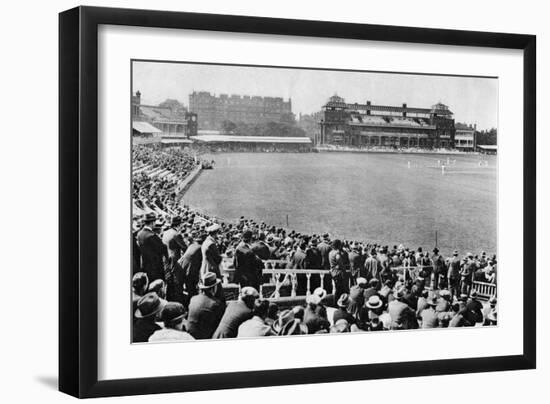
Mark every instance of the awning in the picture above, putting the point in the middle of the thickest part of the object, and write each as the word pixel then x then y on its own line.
pixel 144 127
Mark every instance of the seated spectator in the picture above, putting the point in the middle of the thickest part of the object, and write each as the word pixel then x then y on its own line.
pixel 144 317
pixel 256 326
pixel 236 313
pixel 205 309
pixel 315 317
pixel 172 316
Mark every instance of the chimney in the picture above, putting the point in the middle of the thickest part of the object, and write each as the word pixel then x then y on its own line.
pixel 405 107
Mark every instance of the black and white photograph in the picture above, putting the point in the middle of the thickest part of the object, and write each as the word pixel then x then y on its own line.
pixel 276 201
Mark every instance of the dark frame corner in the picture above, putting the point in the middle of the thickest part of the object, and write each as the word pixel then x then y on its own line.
pixel 78 208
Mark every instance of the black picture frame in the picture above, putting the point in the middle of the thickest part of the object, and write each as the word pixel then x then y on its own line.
pixel 78 207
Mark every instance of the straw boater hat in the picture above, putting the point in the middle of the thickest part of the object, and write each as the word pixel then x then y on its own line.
pixel 374 302
pixel 149 305
pixel 322 293
pixel 362 281
pixel 343 300
pixel 208 280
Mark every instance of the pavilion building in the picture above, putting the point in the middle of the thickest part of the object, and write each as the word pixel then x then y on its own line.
pixel 364 125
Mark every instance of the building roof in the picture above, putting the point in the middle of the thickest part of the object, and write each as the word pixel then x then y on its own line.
pixel 144 127
pixel 162 114
pixel 388 108
pixel 175 141
pixel 251 139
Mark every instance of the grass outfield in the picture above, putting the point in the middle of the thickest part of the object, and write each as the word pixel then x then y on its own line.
pixel 387 198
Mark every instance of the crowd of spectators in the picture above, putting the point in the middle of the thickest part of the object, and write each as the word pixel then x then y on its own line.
pixel 180 256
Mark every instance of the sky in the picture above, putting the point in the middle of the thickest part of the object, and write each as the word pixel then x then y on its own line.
pixel 471 99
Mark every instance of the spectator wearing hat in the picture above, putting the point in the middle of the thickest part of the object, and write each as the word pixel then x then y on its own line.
pixel 190 263
pixel 428 317
pixel 236 313
pixel 256 326
pixel 356 298
pixel 342 311
pixel 315 314
pixel 490 307
pixel 457 316
pixel 205 309
pixel 288 324
pixel 466 274
pixel 144 324
pixel 338 269
pixel 248 266
pixel 375 309
pixel 402 316
pixel 439 270
pixel 172 316
pixel 373 266
pixel 158 286
pixel 136 252
pixel 260 248
pixel 173 240
pixel 356 261
pixel 153 251
pixel 474 309
pixel 324 249
pixel 453 274
pixel 422 302
pixel 140 283
pixel 424 264
pixel 211 257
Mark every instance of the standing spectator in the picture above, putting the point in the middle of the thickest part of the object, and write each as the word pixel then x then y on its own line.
pixel 173 240
pixel 248 267
pixel 324 249
pixel 372 266
pixel 439 268
pixel 190 263
pixel 153 251
pixel 211 258
pixel 356 261
pixel 453 274
pixel 466 274
pixel 260 248
pixel 338 269
pixel 205 309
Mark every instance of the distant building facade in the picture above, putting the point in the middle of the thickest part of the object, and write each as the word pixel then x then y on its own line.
pixel 465 137
pixel 213 110
pixel 381 125
pixel 170 117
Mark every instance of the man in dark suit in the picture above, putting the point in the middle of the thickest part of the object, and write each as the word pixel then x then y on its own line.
pixel 211 257
pixel 153 251
pixel 338 269
pixel 453 274
pixel 356 261
pixel 190 263
pixel 173 240
pixel 248 266
pixel 324 248
pixel 439 267
pixel 372 267
pixel 260 248
pixel 236 313
pixel 205 310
